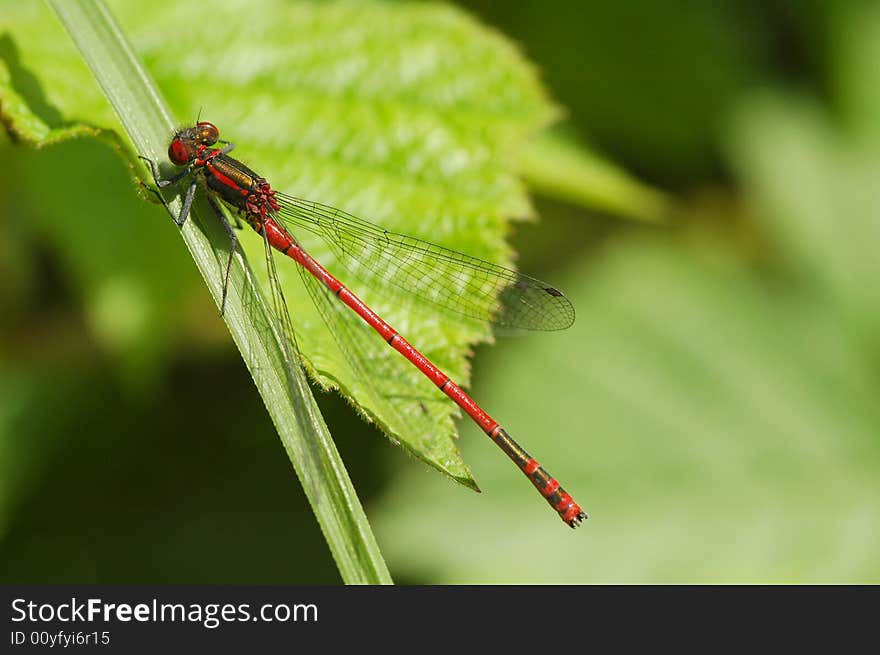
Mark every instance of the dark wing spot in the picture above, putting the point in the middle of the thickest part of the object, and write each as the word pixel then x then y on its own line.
pixel 553 292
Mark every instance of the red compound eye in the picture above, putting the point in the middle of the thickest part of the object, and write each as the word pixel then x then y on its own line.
pixel 207 133
pixel 178 153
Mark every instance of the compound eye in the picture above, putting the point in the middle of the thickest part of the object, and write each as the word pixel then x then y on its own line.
pixel 178 153
pixel 207 133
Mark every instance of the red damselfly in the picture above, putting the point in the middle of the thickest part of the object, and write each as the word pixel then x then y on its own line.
pixel 451 280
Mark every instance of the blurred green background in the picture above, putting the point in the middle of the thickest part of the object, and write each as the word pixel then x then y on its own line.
pixel 715 407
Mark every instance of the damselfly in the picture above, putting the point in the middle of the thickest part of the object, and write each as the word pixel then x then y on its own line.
pixel 453 281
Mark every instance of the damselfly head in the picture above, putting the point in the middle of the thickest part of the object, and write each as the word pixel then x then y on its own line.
pixel 186 144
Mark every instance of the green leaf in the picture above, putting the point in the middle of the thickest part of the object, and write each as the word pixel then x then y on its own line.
pixel 853 30
pixel 816 186
pixel 720 419
pixel 714 430
pixel 555 165
pixel 385 110
pixel 302 430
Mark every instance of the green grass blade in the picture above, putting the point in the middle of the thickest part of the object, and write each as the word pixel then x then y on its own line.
pixel 148 122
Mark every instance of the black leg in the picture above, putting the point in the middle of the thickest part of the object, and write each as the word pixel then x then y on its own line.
pixel 154 169
pixel 233 244
pixel 180 218
pixel 187 204
pixel 156 193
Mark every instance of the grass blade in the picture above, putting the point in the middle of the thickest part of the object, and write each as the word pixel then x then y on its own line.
pixel 148 122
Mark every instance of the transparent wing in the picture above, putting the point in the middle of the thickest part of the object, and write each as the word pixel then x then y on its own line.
pixel 451 280
pixel 404 398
